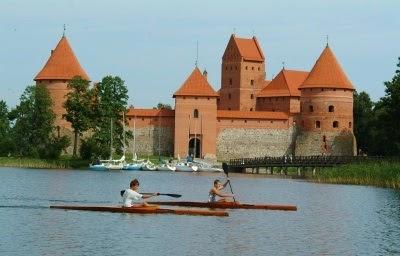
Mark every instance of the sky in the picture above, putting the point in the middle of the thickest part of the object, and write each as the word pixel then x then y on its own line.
pixel 151 45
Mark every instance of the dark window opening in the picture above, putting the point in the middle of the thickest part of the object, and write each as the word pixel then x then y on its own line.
pixel 252 68
pixel 251 109
pixel 196 113
pixel 230 81
pixel 335 124
pixel 251 96
pixel 246 67
pixel 331 109
pixel 311 108
pixel 317 124
pixel 349 124
pixel 252 82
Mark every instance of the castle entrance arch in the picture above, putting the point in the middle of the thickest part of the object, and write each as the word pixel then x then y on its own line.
pixel 195 147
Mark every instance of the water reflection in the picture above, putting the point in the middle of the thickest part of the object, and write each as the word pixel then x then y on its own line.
pixel 331 220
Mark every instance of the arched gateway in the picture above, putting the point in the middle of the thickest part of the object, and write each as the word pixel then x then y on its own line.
pixel 195 147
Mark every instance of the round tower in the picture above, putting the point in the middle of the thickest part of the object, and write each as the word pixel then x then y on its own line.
pixel 59 69
pixel 326 105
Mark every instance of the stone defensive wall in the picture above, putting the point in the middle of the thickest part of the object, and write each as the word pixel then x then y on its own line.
pixel 253 134
pixel 340 143
pixel 153 130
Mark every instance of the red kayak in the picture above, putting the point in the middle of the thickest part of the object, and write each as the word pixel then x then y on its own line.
pixel 229 205
pixel 153 209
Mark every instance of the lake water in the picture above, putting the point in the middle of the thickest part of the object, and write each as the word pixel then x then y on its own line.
pixel 331 219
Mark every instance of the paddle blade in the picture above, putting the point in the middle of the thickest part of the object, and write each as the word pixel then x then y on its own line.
pixel 171 195
pixel 225 168
pixel 122 192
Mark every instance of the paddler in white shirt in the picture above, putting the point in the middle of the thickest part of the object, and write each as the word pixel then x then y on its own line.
pixel 131 197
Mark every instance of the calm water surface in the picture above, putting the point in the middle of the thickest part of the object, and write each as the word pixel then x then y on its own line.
pixel 331 220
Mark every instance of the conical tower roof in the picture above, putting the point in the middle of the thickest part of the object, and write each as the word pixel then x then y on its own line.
pixel 62 64
pixel 196 85
pixel 327 73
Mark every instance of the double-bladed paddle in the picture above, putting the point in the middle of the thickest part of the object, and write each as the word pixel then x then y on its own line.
pixel 226 171
pixel 159 194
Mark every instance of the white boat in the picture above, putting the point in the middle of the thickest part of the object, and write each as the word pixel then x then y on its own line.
pixel 115 164
pixel 166 167
pixel 149 166
pixel 132 166
pixel 186 167
pixel 98 167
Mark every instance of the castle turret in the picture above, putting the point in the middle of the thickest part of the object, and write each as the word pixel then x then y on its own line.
pixel 242 74
pixel 195 117
pixel 326 119
pixel 59 69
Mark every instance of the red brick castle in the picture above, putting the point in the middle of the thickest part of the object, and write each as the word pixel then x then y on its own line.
pixel 298 112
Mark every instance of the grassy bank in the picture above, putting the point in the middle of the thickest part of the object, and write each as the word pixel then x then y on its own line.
pixel 62 163
pixel 382 174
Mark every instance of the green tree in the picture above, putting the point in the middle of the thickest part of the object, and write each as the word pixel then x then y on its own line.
pixel 6 145
pixel 163 106
pixel 78 108
pixel 111 98
pixel 363 118
pixel 387 122
pixel 34 125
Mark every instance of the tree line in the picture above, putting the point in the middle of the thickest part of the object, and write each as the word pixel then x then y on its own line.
pixel 377 124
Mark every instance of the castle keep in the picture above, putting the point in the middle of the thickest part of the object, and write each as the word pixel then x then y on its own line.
pixel 298 112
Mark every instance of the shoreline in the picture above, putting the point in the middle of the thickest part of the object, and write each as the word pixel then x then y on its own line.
pixel 384 174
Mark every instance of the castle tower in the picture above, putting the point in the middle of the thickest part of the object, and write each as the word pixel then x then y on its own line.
pixel 195 117
pixel 242 74
pixel 59 69
pixel 326 119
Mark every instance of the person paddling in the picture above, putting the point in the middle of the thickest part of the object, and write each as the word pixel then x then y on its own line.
pixel 216 191
pixel 131 195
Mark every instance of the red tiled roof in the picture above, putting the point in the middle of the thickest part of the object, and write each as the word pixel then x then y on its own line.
pixel 62 64
pixel 249 48
pixel 252 114
pixel 196 85
pixel 286 83
pixel 150 112
pixel 327 73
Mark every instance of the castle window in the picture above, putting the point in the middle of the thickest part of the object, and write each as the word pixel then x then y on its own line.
pixel 245 121
pixel 195 98
pixel 142 118
pixel 196 113
pixel 252 68
pixel 251 96
pixel 129 119
pixel 252 82
pixel 229 96
pixel 272 122
pixel 226 68
pixel 246 67
pixel 311 108
pixel 251 109
pixel 230 81
pixel 331 108
pixel 335 124
pixel 322 90
pixel 324 138
pixel 208 98
pixel 349 124
pixel 258 68
pixel 317 124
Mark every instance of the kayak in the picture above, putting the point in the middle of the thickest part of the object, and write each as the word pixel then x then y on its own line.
pixel 229 205
pixel 141 210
